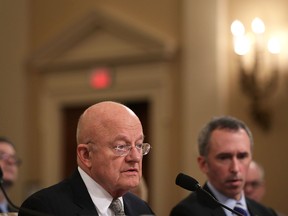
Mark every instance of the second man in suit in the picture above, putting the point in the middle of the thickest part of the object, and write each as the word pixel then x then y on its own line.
pixel 225 146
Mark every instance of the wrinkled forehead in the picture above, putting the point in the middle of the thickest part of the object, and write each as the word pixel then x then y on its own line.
pixel 108 120
pixel 226 140
pixel 120 125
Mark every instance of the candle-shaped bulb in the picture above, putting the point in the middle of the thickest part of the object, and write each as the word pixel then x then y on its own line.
pixel 274 45
pixel 258 26
pixel 237 28
pixel 241 45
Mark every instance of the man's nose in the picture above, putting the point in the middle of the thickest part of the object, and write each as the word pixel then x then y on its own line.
pixel 234 165
pixel 134 154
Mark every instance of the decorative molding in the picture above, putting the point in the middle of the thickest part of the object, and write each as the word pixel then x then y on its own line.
pixel 101 39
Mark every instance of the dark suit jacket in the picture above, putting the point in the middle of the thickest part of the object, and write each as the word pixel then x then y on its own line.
pixel 197 204
pixel 70 198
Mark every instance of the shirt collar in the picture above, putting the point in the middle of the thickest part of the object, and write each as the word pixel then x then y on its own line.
pixel 226 200
pixel 100 197
pixel 4 206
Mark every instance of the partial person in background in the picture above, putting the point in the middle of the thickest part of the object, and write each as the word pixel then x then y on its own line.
pixel 110 149
pixel 9 163
pixel 225 151
pixel 255 187
pixel 141 190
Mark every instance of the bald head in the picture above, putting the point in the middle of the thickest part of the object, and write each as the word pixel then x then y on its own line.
pixel 102 128
pixel 257 169
pixel 100 116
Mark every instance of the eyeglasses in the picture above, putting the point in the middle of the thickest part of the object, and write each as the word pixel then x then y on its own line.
pixel 12 159
pixel 123 150
pixel 253 184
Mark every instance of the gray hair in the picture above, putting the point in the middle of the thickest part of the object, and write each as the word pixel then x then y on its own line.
pixel 222 123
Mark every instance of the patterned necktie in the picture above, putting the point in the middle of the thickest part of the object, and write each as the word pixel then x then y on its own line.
pixel 116 207
pixel 239 208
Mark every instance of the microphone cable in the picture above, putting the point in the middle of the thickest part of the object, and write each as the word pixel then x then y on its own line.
pixel 191 184
pixel 16 208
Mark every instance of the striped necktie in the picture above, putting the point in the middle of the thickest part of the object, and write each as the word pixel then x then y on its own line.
pixel 239 208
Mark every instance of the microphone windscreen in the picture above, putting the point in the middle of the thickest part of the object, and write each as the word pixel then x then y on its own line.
pixel 187 182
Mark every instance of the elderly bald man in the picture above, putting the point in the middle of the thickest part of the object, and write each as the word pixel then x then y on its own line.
pixel 110 148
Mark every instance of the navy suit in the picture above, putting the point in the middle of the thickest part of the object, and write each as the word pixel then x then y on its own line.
pixel 71 198
pixel 197 204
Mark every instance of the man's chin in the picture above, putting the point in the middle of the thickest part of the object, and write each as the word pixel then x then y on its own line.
pixel 132 185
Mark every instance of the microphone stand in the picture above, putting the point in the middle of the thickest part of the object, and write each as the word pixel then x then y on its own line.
pixel 7 198
pixel 16 208
pixel 219 203
pixel 192 184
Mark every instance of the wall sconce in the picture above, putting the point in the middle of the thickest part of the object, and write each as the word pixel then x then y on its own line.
pixel 258 67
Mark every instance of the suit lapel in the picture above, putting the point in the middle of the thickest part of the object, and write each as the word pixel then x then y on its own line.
pixel 252 211
pixel 216 209
pixel 219 211
pixel 127 206
pixel 81 196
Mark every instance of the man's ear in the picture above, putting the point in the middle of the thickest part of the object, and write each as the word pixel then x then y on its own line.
pixel 83 154
pixel 202 163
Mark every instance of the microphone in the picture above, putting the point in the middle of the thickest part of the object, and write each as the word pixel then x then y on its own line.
pixel 192 184
pixel 16 208
pixel 187 182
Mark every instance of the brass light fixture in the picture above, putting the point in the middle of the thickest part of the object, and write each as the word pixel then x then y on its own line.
pixel 258 68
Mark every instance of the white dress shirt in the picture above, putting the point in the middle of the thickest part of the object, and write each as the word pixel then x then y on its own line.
pixel 228 201
pixel 100 197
